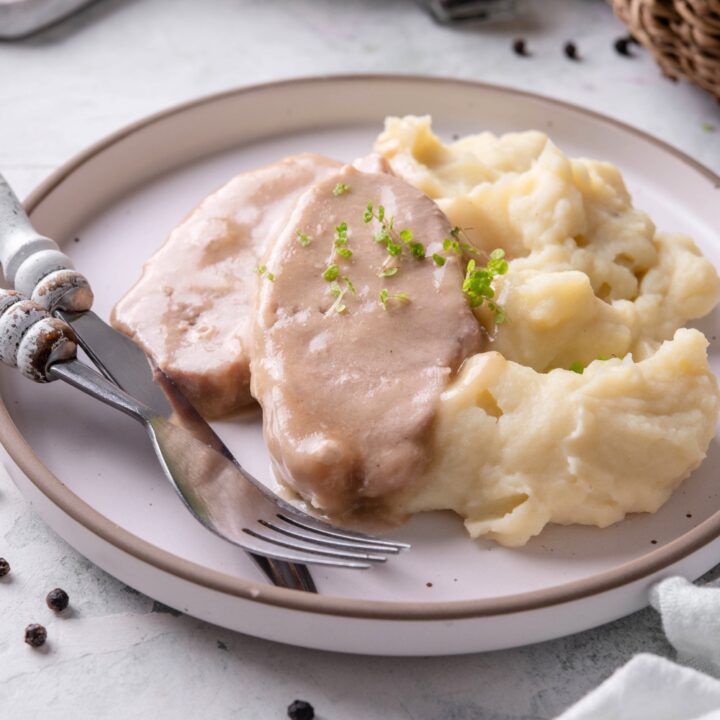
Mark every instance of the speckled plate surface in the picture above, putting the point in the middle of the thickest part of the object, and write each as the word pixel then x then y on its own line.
pixel 91 474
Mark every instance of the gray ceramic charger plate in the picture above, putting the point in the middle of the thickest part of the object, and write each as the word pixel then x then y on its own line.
pixel 91 475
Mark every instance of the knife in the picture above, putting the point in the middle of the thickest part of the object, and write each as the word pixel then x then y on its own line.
pixel 36 267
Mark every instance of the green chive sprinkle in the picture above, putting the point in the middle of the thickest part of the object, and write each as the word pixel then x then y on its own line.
pixel 331 273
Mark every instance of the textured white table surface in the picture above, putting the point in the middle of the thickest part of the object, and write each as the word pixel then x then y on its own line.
pixel 119 654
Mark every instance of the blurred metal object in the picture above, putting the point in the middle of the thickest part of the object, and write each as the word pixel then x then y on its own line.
pixel 456 12
pixel 20 18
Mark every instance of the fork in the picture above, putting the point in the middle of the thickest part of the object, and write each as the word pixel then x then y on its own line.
pixel 221 495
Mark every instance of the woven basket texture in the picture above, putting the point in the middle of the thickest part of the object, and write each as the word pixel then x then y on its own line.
pixel 683 36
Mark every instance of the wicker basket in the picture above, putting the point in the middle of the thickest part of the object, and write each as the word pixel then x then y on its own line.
pixel 683 35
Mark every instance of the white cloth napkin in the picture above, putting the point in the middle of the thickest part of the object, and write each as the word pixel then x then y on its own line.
pixel 691 620
pixel 653 688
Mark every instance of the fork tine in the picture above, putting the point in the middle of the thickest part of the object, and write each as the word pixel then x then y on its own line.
pixel 315 549
pixel 320 539
pixel 324 529
pixel 266 549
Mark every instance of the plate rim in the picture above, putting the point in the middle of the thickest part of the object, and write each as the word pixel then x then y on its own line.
pixel 81 512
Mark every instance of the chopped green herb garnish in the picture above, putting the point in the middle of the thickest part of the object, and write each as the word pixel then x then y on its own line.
pixel 338 292
pixel 331 273
pixel 417 250
pixel 452 246
pixel 456 246
pixel 385 298
pixel 577 367
pixel 338 306
pixel 341 234
pixel 459 248
pixel 303 239
pixel 438 259
pixel 341 189
pixel 262 271
pixel 391 239
pixel 368 214
pixel 388 272
pixel 341 241
pixel 477 285
pixel 382 236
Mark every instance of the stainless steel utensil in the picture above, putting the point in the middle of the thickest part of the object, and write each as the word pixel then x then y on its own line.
pixel 468 12
pixel 36 263
pixel 212 484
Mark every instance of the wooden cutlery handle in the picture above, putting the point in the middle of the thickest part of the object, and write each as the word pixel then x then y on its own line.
pixel 30 338
pixel 34 263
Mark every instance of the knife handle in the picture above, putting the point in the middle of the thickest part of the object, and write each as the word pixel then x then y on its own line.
pixel 30 338
pixel 34 263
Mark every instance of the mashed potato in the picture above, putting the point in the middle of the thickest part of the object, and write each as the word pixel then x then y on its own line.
pixel 520 440
pixel 515 449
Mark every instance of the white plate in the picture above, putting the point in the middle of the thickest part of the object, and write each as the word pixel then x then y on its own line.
pixel 92 476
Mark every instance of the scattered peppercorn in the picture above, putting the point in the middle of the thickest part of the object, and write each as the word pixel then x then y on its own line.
pixel 571 51
pixel 520 47
pixel 654 542
pixel 4 567
pixel 57 600
pixel 35 635
pixel 301 710
pixel 622 47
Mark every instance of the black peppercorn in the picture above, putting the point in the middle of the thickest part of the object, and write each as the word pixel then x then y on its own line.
pixel 4 567
pixel 520 48
pixel 571 51
pixel 301 710
pixel 57 600
pixel 622 47
pixel 35 635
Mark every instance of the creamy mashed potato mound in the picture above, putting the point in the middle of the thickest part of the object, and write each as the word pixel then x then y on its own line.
pixel 521 440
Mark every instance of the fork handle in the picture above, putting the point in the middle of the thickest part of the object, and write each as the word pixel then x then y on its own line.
pixel 34 264
pixel 31 339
